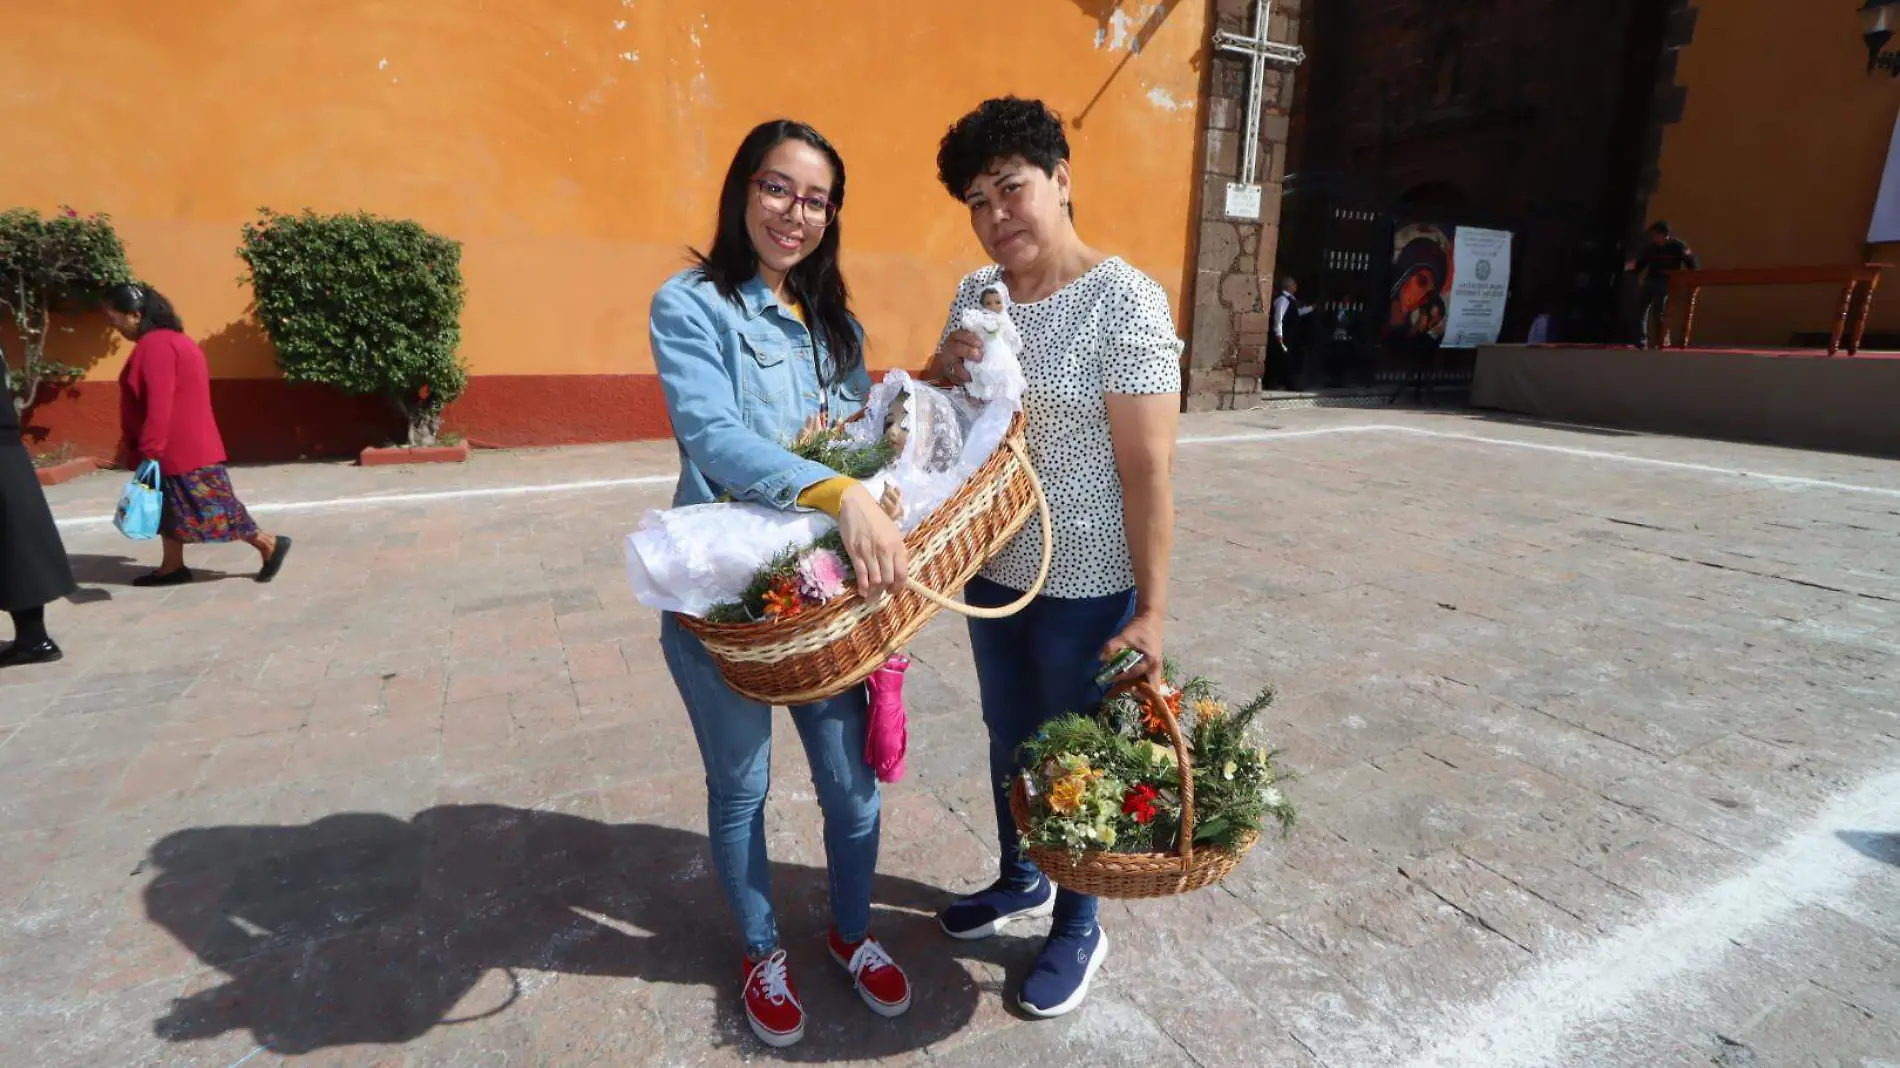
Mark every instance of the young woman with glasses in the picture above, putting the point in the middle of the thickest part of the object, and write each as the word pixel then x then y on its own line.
pixel 753 343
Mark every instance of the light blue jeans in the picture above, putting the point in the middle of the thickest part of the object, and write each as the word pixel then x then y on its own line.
pixel 735 742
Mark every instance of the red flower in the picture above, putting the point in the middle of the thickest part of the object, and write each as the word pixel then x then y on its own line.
pixel 423 393
pixel 1140 803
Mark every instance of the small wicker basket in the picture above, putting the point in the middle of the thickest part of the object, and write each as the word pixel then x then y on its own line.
pixel 827 650
pixel 1136 875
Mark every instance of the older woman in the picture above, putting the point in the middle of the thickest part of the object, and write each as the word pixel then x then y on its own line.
pixel 1103 403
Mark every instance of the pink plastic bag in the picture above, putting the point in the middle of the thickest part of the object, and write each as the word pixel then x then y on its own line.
pixel 888 734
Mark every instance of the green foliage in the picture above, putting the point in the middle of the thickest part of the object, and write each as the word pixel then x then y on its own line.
pixel 362 304
pixel 50 264
pixel 1087 775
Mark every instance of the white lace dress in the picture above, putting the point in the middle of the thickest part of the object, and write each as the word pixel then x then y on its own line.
pixel 688 560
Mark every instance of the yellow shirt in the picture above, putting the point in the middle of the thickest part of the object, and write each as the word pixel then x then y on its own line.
pixel 826 496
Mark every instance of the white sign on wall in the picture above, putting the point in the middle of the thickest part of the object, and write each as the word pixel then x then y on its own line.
pixel 1243 200
pixel 1480 285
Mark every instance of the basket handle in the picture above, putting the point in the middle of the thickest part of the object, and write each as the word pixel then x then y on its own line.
pixel 1147 692
pixel 1042 572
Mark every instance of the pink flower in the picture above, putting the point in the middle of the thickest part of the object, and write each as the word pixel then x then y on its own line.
pixel 821 575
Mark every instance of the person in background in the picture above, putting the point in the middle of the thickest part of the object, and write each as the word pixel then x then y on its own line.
pixel 1664 255
pixel 33 568
pixel 1281 366
pixel 1102 405
pixel 165 415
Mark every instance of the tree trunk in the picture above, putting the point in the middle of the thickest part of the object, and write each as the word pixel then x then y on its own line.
pixel 424 425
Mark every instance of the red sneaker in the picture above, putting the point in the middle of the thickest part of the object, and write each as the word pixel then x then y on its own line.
pixel 771 1005
pixel 880 982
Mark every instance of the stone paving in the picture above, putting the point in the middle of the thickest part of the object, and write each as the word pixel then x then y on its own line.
pixel 1576 714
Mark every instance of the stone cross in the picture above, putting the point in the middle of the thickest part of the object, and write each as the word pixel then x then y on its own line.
pixel 1261 49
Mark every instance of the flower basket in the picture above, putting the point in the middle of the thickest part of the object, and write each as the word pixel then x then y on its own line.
pixel 825 651
pixel 1137 875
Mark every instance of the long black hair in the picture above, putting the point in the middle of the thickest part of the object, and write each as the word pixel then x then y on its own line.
pixel 154 311
pixel 815 281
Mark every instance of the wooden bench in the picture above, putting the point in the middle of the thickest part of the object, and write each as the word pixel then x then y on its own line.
pixel 1857 282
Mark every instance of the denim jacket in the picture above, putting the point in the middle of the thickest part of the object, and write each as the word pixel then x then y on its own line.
pixel 740 381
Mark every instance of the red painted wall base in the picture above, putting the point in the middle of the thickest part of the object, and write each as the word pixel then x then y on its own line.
pixel 266 420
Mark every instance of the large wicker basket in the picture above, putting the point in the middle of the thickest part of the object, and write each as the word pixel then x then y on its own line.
pixel 827 650
pixel 1134 875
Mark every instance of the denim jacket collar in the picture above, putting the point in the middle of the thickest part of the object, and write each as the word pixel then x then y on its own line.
pixel 755 297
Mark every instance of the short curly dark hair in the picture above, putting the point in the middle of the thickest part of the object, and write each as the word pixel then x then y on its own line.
pixel 1000 129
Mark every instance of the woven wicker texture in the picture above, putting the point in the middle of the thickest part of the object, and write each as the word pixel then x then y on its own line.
pixel 1137 875
pixel 827 650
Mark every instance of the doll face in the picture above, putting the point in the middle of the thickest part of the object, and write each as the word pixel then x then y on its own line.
pixel 993 300
pixel 894 431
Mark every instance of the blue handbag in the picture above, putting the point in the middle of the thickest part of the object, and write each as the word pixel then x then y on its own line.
pixel 139 504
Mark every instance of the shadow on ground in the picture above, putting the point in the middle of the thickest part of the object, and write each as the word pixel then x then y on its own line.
pixel 121 570
pixel 368 928
pixel 1883 846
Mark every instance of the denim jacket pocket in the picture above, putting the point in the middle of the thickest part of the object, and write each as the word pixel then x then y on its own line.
pixel 762 370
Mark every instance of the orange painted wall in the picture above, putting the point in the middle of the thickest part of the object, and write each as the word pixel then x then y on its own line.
pixel 1777 160
pixel 575 146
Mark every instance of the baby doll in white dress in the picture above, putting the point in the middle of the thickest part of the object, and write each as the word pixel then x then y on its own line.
pixel 1000 372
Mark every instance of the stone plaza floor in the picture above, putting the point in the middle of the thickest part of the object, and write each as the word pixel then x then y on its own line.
pixel 1599 736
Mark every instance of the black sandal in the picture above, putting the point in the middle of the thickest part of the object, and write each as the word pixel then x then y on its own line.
pixel 165 578
pixel 276 562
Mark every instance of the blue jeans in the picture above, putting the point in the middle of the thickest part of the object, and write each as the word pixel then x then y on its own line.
pixel 1031 668
pixel 735 743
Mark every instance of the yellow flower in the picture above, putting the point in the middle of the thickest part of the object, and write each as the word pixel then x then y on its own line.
pixel 1228 771
pixel 1107 836
pixel 1065 794
pixel 1207 709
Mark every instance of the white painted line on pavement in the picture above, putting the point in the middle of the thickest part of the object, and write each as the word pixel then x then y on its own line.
pixel 1793 481
pixel 1565 450
pixel 1534 1019
pixel 415 498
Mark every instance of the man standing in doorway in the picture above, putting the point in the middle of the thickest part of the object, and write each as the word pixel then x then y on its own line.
pixel 1281 366
pixel 1664 255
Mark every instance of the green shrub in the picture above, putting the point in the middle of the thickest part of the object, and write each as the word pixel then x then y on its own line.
pixel 61 263
pixel 362 304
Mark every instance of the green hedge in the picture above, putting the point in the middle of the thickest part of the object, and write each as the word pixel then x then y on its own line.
pixel 363 304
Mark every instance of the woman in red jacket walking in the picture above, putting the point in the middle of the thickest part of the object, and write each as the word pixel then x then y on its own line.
pixel 165 415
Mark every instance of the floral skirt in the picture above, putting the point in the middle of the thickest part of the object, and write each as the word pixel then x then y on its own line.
pixel 200 506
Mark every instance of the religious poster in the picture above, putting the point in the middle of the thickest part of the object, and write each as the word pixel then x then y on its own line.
pixel 1449 285
pixel 1421 285
pixel 1482 260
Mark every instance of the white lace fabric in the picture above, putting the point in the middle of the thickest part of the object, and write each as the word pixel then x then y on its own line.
pixel 688 560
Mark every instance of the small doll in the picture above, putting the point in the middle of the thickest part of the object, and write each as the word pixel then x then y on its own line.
pixel 999 373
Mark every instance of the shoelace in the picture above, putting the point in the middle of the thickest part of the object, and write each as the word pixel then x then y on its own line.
pixel 772 975
pixel 869 957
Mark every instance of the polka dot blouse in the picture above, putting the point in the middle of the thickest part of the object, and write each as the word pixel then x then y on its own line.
pixel 1108 331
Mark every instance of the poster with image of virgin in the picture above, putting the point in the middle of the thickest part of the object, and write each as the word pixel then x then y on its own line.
pixel 1421 285
pixel 1449 285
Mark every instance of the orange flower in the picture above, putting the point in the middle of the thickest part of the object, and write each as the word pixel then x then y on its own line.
pixel 783 599
pixel 1065 794
pixel 1206 710
pixel 1152 722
